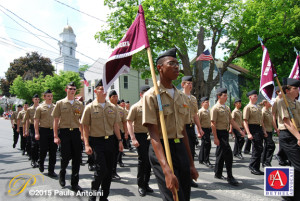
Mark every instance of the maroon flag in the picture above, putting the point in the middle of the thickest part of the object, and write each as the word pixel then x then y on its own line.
pixel 205 56
pixel 135 40
pixel 295 71
pixel 267 87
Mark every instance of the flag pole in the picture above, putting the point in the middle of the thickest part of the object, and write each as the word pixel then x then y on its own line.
pixel 161 114
pixel 283 94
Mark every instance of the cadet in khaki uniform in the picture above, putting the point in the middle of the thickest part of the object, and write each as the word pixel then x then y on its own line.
pixel 67 113
pixel 13 120
pixel 32 145
pixel 176 111
pixel 237 116
pixel 289 137
pixel 205 147
pixel 269 145
pixel 253 125
pixel 100 121
pixel 43 124
pixel 139 136
pixel 221 119
pixel 20 127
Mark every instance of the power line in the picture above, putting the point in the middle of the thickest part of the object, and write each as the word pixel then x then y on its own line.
pixel 25 31
pixel 80 11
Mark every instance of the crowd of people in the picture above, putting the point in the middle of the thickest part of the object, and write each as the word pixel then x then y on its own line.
pixel 104 128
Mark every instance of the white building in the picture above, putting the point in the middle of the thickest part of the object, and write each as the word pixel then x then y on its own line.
pixel 67 48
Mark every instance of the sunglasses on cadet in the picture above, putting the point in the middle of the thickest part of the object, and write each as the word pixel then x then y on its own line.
pixel 72 89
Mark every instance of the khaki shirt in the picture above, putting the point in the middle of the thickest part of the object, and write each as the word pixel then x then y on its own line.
pixel 101 120
pixel 69 114
pixel 136 116
pixel 274 107
pixel 123 116
pixel 43 114
pixel 193 106
pixel 267 118
pixel 204 117
pixel 283 112
pixel 30 114
pixel 176 111
pixel 221 115
pixel 252 114
pixel 21 115
pixel 237 116
pixel 14 116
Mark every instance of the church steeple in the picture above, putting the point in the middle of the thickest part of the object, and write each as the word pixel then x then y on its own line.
pixel 67 47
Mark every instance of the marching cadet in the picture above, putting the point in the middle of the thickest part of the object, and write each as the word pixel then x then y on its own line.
pixel 127 106
pixel 13 120
pixel 43 125
pixel 32 145
pixel 252 117
pixel 113 98
pixel 139 136
pixel 221 119
pixel 67 113
pixel 239 138
pixel 281 156
pixel 175 109
pixel 204 117
pixel 20 128
pixel 289 137
pixel 269 145
pixel 100 121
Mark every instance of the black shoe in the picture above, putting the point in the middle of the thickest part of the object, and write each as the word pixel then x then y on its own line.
pixel 14 145
pixel 232 181
pixel 91 167
pixel 194 184
pixel 29 158
pixel 34 164
pixel 208 164
pixel 121 164
pixel 220 177
pixel 246 152
pixel 241 156
pixel 142 191
pixel 149 189
pixel 23 153
pixel 267 165
pixel 257 172
pixel 238 156
pixel 52 174
pixel 116 176
pixel 62 180
pixel 201 162
pixel 41 167
pixel 76 188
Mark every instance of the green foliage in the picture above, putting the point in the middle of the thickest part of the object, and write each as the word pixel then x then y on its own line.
pixel 57 83
pixel 83 68
pixel 1 111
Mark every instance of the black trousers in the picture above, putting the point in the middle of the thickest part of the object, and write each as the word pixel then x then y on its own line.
pixel 238 142
pixel 281 154
pixel 103 152
pixel 116 152
pixel 47 145
pixel 144 168
pixel 268 150
pixel 289 145
pixel 34 144
pixel 23 139
pixel 223 154
pixel 205 146
pixel 120 154
pixel 257 146
pixel 190 130
pixel 247 147
pixel 16 134
pixel 70 150
pixel 181 170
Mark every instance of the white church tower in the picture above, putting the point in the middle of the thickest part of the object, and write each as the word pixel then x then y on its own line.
pixel 67 46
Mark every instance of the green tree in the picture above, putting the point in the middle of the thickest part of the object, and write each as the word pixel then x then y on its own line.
pixel 186 24
pixel 28 67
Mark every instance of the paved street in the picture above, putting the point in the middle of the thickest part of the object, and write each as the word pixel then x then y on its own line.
pixel 12 163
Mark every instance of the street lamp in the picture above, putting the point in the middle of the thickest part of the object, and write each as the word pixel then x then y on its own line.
pixel 219 65
pixel 93 86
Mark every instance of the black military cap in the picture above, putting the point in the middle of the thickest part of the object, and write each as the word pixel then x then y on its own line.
pixel 168 53
pixel 72 84
pixel 144 88
pixel 222 90
pixel 26 103
pixel 204 99
pixel 99 83
pixel 237 100
pixel 291 82
pixel 118 102
pixel 19 105
pixel 122 101
pixel 35 96
pixel 187 78
pixel 127 102
pixel 112 93
pixel 48 91
pixel 251 93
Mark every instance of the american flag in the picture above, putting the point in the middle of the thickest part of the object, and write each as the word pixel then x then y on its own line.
pixel 205 56
pixel 85 82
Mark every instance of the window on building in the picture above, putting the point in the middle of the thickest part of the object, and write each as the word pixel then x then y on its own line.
pixel 60 50
pixel 125 82
pixel 112 86
pixel 71 51
pixel 146 81
pixel 89 87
